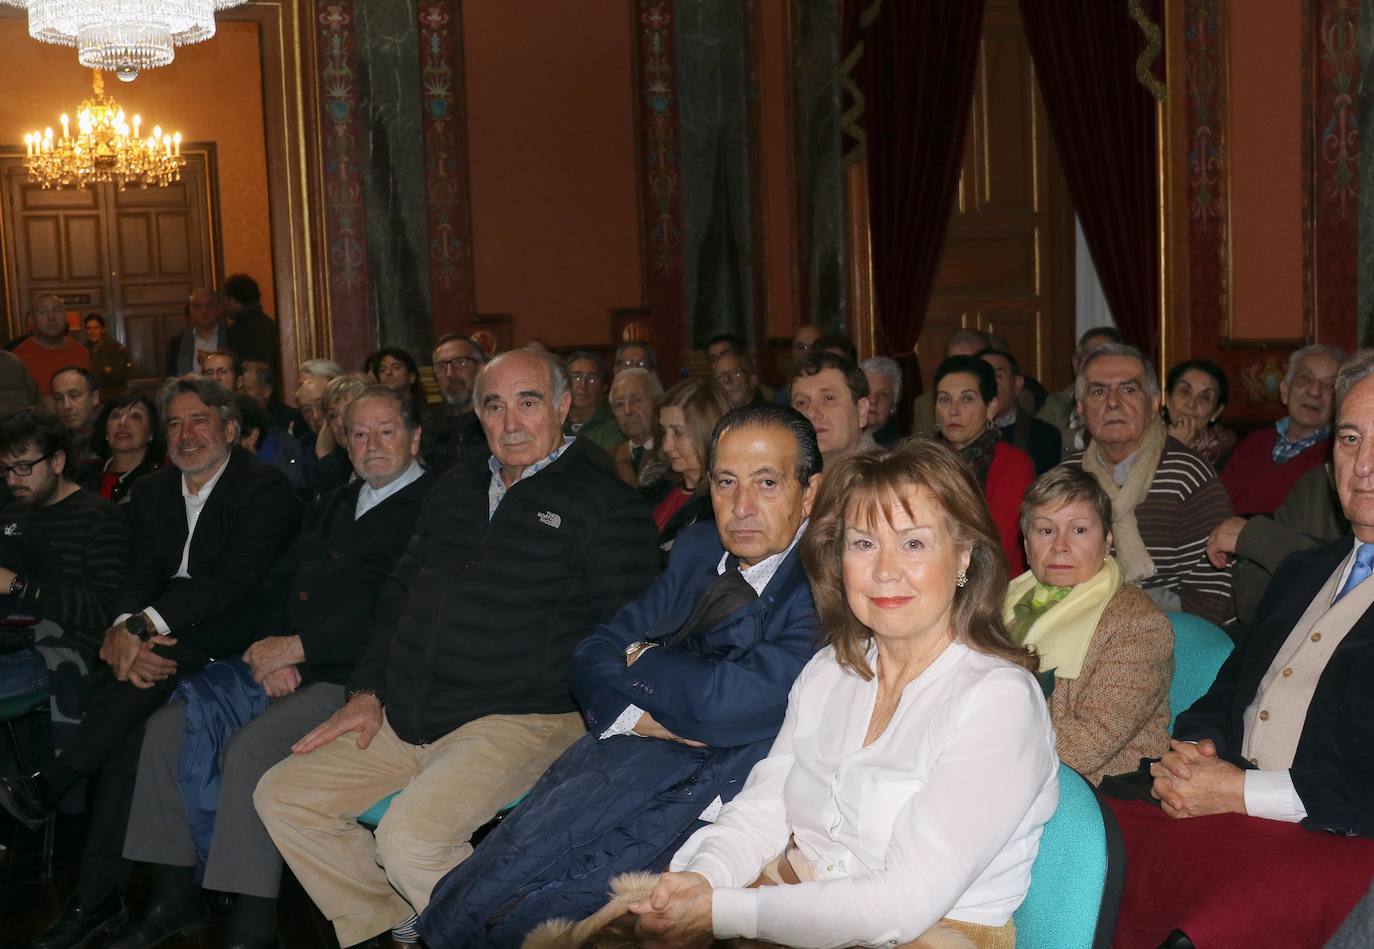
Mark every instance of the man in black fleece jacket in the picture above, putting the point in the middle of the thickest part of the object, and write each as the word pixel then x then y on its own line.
pixel 462 699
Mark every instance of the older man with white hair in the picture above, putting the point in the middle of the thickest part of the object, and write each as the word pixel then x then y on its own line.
pixel 1165 499
pixel 1267 463
pixel 635 394
pixel 463 699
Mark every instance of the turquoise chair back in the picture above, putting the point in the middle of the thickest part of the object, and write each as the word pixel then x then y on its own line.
pixel 1199 650
pixel 1076 881
pixel 374 814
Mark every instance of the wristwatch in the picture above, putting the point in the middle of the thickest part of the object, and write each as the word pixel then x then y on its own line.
pixel 138 625
pixel 633 650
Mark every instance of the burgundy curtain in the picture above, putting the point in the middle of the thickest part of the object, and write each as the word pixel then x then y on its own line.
pixel 916 75
pixel 1103 121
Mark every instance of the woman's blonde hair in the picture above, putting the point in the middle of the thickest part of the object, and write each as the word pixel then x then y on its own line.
pixel 702 403
pixel 869 485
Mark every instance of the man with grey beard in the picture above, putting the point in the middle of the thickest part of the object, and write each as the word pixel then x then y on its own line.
pixel 451 435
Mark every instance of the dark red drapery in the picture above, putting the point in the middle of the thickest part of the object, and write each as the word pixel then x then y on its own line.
pixel 1103 122
pixel 916 74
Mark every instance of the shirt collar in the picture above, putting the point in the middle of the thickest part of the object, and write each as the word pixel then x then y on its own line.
pixel 759 575
pixel 373 496
pixel 205 489
pixel 534 469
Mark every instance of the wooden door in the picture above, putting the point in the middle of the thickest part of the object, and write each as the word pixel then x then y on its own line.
pixel 1008 261
pixel 133 256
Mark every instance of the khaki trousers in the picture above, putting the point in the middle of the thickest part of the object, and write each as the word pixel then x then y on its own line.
pixel 365 885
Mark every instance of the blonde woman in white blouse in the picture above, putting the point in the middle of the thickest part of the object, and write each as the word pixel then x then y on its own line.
pixel 903 801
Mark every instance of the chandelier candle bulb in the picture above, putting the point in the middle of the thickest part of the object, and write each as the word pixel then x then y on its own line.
pixel 65 120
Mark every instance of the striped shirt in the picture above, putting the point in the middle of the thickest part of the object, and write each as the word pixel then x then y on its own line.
pixel 72 555
pixel 1185 503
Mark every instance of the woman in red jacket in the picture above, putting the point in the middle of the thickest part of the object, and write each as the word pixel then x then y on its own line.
pixel 965 405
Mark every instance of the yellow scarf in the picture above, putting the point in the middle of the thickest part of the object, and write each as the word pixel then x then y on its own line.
pixel 1061 636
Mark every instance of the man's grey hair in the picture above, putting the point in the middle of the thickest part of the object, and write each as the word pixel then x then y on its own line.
pixel 33 304
pixel 1316 349
pixel 1150 380
pixel 887 366
pixel 558 379
pixel 324 368
pixel 655 387
pixel 215 396
pixel 399 401
pixel 1355 370
pixel 764 414
pixel 630 344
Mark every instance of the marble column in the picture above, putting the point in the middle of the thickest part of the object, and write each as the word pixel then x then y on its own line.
pixel 389 93
pixel 713 127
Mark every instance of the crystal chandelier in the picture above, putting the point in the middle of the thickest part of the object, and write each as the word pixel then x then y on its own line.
pixel 123 36
pixel 104 146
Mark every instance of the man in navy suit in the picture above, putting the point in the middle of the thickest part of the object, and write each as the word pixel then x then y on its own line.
pixel 683 691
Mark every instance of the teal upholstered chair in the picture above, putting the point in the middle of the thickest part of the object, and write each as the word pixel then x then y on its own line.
pixel 374 814
pixel 1199 650
pixel 1076 881
pixel 12 710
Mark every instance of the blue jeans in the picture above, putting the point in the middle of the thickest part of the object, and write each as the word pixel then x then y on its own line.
pixel 22 672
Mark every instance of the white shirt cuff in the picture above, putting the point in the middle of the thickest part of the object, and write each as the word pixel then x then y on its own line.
pixel 625 723
pixel 121 618
pixel 159 623
pixel 735 913
pixel 1271 795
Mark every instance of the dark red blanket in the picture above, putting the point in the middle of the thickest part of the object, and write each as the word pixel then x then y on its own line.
pixel 1234 881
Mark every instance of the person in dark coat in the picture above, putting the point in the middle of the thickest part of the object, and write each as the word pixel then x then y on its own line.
pixel 252 333
pixel 509 569
pixel 205 531
pixel 1020 428
pixel 317 609
pixel 683 692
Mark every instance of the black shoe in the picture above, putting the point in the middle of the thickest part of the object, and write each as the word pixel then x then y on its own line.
pixel 23 797
pixel 163 921
pixel 78 926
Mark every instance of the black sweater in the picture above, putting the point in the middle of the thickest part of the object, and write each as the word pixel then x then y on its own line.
pixel 326 586
pixel 484 615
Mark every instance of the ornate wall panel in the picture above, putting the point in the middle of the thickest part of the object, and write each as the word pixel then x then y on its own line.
pixel 444 119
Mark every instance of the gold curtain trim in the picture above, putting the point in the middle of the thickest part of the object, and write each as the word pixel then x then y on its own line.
pixel 1144 63
pixel 851 118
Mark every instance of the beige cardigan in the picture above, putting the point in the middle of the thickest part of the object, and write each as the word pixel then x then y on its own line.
pixel 1117 710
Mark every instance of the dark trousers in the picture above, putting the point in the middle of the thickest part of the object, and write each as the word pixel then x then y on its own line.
pixel 106 748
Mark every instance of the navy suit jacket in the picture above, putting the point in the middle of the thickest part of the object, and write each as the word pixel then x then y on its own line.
pixel 1333 768
pixel 727 687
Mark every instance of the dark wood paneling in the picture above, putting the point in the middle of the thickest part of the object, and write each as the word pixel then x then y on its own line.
pixel 134 255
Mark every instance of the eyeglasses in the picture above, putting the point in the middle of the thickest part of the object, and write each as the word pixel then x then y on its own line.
pixel 23 468
pixel 729 375
pixel 590 378
pixel 801 347
pixel 456 364
pixel 632 364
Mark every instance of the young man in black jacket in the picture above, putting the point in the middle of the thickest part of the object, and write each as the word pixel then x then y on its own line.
pixel 462 699
pixel 316 613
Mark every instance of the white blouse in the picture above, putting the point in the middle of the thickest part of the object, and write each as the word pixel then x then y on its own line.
pixel 939 817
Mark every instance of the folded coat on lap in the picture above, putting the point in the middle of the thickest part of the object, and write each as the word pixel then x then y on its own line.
pixel 626 803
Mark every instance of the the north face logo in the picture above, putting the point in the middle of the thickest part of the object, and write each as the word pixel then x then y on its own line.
pixel 550 518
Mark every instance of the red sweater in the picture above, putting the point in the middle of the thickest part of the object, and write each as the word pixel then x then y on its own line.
pixel 1010 475
pixel 1255 483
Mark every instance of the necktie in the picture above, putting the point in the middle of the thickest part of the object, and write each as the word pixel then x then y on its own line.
pixel 1364 566
pixel 636 455
pixel 729 593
